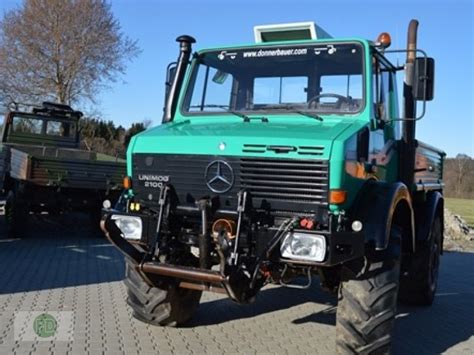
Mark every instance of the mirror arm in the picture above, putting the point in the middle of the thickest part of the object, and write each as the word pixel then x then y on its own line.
pixel 402 67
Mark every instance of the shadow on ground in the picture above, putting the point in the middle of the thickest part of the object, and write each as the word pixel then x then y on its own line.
pixel 450 320
pixel 418 330
pixel 57 252
pixel 271 299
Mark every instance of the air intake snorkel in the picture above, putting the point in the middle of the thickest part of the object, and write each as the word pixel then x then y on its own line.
pixel 185 48
pixel 409 125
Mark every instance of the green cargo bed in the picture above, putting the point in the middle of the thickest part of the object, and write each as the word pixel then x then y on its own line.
pixel 65 167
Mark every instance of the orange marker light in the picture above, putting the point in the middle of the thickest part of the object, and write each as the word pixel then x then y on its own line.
pixel 384 39
pixel 127 182
pixel 337 197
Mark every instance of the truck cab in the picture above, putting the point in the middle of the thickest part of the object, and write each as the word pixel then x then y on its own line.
pixel 50 125
pixel 283 159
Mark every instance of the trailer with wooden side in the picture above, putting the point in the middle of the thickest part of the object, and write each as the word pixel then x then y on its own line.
pixel 43 169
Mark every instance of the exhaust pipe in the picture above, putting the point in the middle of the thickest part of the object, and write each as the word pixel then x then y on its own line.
pixel 185 47
pixel 409 142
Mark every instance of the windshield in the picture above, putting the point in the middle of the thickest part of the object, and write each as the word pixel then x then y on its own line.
pixel 29 124
pixel 313 78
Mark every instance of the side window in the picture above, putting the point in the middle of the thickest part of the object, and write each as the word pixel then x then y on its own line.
pixel 376 144
pixel 213 90
pixel 27 125
pixel 54 128
pixel 383 90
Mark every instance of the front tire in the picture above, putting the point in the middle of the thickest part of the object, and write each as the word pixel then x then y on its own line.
pixel 162 306
pixel 367 305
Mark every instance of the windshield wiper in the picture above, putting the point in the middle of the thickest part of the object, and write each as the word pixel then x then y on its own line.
pixel 236 113
pixel 309 114
pixel 293 109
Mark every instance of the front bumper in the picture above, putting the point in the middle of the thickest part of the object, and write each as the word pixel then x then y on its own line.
pixel 341 247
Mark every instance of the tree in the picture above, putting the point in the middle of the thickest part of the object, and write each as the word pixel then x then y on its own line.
pixel 62 50
pixel 458 176
pixel 135 129
pixel 104 137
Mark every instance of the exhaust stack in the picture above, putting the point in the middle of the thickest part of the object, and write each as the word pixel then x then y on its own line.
pixel 409 142
pixel 185 48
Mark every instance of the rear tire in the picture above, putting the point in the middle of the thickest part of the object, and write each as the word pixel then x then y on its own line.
pixel 367 305
pixel 419 279
pixel 162 306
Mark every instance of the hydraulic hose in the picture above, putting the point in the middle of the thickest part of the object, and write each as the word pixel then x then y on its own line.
pixel 284 227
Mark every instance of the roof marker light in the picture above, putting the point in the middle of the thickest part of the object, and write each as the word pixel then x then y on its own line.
pixel 384 40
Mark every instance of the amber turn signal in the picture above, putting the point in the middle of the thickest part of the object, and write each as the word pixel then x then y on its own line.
pixel 127 182
pixel 337 197
pixel 384 39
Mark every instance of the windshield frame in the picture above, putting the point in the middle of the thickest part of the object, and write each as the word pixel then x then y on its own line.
pixel 192 71
pixel 44 125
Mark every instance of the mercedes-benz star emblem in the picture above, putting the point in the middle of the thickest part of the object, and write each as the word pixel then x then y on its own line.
pixel 219 176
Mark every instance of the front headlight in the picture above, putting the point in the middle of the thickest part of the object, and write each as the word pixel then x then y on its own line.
pixel 304 246
pixel 130 226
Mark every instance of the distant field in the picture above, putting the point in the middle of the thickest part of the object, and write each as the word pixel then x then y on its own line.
pixel 462 207
pixel 105 157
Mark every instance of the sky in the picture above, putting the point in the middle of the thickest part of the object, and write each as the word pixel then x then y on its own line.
pixel 446 33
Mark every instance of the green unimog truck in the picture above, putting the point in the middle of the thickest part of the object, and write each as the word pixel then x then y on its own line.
pixel 43 168
pixel 281 160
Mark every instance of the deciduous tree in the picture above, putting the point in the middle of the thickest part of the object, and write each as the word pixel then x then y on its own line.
pixel 61 50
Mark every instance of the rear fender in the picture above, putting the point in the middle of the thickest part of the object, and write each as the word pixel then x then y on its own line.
pixel 379 205
pixel 426 213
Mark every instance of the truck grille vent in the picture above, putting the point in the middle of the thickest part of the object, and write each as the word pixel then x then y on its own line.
pixel 286 180
pixel 276 183
pixel 311 150
pixel 282 149
pixel 254 148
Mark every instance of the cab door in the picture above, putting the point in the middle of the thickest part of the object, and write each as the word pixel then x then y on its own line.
pixel 384 130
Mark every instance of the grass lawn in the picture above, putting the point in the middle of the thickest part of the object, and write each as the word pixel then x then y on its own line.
pixel 462 207
pixel 105 157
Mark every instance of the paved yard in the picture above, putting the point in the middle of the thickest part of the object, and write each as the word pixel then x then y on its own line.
pixel 83 274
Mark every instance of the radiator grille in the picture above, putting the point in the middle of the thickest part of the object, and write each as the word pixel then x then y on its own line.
pixel 282 184
pixel 285 179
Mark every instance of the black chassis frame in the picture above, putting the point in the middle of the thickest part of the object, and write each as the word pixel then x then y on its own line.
pixel 342 246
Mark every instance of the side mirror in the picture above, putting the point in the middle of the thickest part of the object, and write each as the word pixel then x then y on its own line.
pixel 170 73
pixel 423 86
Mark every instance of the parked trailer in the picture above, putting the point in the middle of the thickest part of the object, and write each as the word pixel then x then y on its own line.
pixel 43 169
